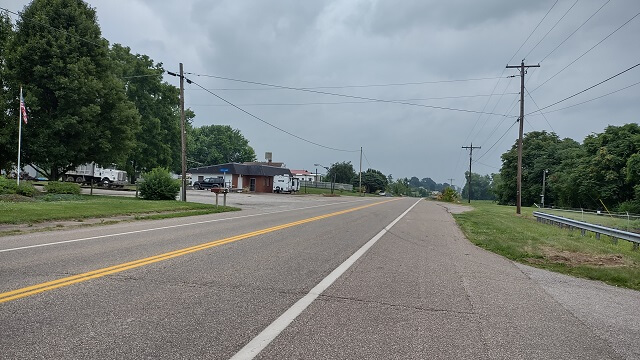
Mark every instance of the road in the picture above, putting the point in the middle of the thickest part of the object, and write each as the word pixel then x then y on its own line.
pixel 309 277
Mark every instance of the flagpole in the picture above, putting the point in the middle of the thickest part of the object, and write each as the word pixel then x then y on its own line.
pixel 19 133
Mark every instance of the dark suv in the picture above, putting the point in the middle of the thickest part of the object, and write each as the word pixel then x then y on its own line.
pixel 209 183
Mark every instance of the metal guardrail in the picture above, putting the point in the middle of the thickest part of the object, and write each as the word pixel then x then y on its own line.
pixel 583 226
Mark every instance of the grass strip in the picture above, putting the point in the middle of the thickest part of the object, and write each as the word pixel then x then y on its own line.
pixel 98 206
pixel 521 238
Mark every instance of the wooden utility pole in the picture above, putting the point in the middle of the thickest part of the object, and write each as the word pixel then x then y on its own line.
pixel 360 189
pixel 470 158
pixel 183 137
pixel 523 71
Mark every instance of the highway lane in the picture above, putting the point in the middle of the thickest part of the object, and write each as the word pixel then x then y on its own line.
pixel 421 291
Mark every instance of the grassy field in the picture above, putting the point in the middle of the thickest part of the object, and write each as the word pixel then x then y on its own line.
pixel 48 208
pixel 522 239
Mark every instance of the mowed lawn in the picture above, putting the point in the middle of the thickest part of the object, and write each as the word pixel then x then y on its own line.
pixel 521 238
pixel 96 206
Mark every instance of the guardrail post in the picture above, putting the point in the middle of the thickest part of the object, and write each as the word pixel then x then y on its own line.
pixel 582 232
pixel 614 239
pixel 635 246
pixel 598 235
pixel 216 199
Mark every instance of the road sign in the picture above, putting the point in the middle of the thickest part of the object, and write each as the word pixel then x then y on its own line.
pixel 224 170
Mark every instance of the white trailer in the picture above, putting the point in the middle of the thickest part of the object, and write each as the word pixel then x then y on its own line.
pixel 285 183
pixel 88 173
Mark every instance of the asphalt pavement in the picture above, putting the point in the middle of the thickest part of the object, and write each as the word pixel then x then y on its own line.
pixel 206 286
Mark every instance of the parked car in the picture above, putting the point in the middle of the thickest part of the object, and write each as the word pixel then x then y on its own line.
pixel 209 183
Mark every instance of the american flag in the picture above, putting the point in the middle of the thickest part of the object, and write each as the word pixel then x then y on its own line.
pixel 23 109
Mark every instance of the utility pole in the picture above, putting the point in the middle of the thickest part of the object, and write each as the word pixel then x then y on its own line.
pixel 451 183
pixel 544 177
pixel 523 71
pixel 184 137
pixel 470 158
pixel 360 189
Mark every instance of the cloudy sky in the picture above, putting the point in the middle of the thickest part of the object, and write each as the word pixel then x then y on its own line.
pixel 438 65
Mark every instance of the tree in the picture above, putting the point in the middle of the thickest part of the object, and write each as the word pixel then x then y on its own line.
pixel 540 151
pixel 78 109
pixel 480 187
pixel 373 180
pixel 218 144
pixel 157 140
pixel 342 172
pixel 8 101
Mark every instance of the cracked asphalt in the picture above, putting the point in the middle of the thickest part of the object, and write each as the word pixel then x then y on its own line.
pixel 421 292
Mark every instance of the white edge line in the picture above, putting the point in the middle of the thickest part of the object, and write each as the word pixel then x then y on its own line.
pixel 170 227
pixel 262 340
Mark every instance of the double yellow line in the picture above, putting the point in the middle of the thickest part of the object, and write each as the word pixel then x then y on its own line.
pixel 51 285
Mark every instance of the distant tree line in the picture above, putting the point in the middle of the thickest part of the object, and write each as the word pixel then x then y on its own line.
pixel 89 101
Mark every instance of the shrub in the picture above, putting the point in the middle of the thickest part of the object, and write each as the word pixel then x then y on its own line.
pixel 449 195
pixel 7 186
pixel 159 185
pixel 57 187
pixel 26 189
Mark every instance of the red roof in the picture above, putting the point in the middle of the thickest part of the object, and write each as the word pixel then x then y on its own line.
pixel 301 172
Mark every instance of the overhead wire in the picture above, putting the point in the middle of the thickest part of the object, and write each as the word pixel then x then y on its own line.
pixel 348 86
pixel 501 74
pixel 346 102
pixel 587 89
pixel 586 52
pixel 587 101
pixel 268 123
pixel 344 95
pixel 51 27
pixel 553 27
pixel 536 104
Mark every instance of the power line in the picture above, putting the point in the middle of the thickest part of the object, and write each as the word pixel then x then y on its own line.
pixel 533 31
pixel 584 102
pixel 349 86
pixel 499 78
pixel 344 95
pixel 52 28
pixel 589 88
pixel 586 52
pixel 346 102
pixel 574 31
pixel 536 104
pixel 553 27
pixel 497 141
pixel 266 122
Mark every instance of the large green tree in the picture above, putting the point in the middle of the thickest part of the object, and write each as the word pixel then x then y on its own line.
pixel 341 172
pixel 78 108
pixel 373 180
pixel 217 144
pixel 8 101
pixel 540 151
pixel 157 140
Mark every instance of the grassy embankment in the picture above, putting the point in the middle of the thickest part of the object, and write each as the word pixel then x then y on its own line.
pixel 522 239
pixel 78 207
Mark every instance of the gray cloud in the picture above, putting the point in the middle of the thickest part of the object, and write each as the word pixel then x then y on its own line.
pixel 354 42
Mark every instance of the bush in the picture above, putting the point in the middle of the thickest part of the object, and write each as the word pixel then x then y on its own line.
pixel 57 187
pixel 449 195
pixel 26 189
pixel 159 185
pixel 7 186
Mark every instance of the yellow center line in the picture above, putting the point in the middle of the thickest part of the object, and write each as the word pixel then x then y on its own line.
pixel 62 282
